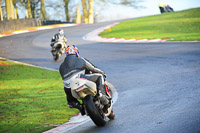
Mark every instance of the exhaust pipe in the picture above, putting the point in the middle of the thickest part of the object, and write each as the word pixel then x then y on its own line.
pixel 103 98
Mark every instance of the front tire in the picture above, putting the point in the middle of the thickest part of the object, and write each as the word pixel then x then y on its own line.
pixel 56 57
pixel 97 117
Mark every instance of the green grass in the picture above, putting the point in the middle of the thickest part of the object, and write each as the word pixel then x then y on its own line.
pixel 31 99
pixel 181 26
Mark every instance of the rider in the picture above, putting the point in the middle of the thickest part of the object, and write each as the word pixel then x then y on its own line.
pixel 59 37
pixel 73 65
pixel 165 8
pixel 162 7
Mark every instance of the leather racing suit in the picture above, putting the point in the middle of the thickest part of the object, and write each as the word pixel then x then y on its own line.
pixel 74 65
pixel 59 38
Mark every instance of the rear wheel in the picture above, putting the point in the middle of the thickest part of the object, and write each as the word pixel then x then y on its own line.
pixel 95 114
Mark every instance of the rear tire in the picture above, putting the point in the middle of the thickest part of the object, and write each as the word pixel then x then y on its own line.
pixel 97 117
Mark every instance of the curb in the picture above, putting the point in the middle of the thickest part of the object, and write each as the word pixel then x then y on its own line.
pixel 36 29
pixel 94 36
pixel 1 58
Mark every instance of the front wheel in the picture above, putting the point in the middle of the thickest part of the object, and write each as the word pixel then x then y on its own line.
pixel 95 114
pixel 55 57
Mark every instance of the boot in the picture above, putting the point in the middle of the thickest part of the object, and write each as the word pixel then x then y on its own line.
pixel 78 106
pixel 73 102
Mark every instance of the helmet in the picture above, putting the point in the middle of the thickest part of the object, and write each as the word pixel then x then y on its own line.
pixel 72 50
pixel 61 31
pixel 161 4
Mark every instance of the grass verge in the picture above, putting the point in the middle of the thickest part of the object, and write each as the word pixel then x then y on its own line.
pixel 178 26
pixel 31 99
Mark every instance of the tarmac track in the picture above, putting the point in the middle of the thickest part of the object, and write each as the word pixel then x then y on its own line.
pixel 158 84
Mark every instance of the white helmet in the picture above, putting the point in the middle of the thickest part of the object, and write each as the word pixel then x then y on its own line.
pixel 61 31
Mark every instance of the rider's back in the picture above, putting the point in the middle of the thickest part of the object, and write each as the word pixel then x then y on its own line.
pixel 71 64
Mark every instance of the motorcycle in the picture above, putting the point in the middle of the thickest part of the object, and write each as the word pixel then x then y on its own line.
pixel 166 9
pixel 169 9
pixel 58 48
pixel 97 106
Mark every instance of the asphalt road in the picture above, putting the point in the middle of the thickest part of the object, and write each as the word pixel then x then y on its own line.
pixel 158 84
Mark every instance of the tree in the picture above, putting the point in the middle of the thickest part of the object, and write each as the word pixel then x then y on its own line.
pixel 88 14
pixel 11 9
pixel 85 11
pixel 91 12
pixel 67 9
pixel 8 9
pixel 1 13
pixel 42 11
pixel 28 9
pixel 78 16
pixel 34 8
pixel 31 6
pixel 16 10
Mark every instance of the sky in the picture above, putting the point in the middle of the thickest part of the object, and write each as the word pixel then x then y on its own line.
pixel 113 12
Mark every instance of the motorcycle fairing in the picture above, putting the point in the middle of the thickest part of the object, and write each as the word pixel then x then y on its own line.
pixel 81 87
pixel 67 81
